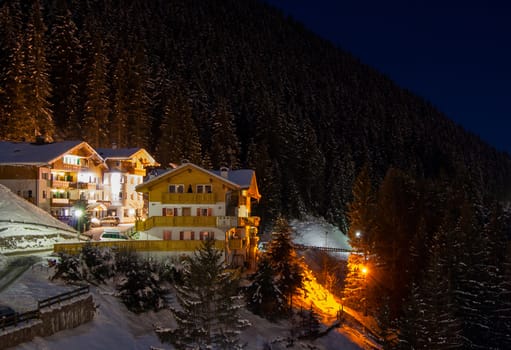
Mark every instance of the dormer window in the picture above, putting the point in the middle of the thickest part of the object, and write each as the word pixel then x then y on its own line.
pixel 176 188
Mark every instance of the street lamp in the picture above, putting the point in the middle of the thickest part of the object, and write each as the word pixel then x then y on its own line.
pixel 78 215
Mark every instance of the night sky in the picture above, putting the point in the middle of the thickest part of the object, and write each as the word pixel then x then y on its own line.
pixel 455 54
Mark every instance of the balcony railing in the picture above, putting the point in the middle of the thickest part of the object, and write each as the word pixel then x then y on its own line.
pixel 60 201
pixel 249 221
pixel 139 245
pixel 222 222
pixel 59 184
pixel 188 198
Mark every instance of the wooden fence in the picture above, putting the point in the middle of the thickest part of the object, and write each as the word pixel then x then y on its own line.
pixel 18 318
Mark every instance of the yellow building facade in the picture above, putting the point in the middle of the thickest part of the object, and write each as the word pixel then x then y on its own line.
pixel 189 203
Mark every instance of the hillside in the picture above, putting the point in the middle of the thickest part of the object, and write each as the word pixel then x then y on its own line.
pixel 228 82
pixel 23 226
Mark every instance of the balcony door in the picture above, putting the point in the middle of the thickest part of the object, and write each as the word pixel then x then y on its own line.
pixel 187 211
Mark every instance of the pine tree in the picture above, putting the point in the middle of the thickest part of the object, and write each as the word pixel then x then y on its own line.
pixel 262 295
pixel 361 212
pixel 289 277
pixel 354 287
pixel 97 105
pixel 18 123
pixel 141 289
pixel 209 303
pixel 38 86
pixel 65 73
pixel 179 137
pixel 224 141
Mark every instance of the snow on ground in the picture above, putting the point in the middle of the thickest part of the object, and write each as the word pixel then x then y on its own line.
pixel 24 226
pixel 14 208
pixel 317 232
pixel 114 327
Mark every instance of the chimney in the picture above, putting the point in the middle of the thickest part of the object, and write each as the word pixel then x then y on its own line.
pixel 224 172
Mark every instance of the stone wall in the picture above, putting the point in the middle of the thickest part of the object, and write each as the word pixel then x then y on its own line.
pixel 69 314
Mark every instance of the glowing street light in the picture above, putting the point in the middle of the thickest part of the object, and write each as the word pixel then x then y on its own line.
pixel 365 271
pixel 78 215
pixel 358 234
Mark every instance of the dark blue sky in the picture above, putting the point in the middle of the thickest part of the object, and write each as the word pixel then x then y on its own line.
pixel 455 54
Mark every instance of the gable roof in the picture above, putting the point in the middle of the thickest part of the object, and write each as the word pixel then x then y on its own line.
pixel 181 168
pixel 119 153
pixel 125 153
pixel 36 154
pixel 241 177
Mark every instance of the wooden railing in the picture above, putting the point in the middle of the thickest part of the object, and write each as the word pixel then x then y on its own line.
pixel 18 318
pixel 138 245
pixel 62 297
pixel 188 198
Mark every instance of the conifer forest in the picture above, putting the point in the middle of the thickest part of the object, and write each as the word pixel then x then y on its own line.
pixel 236 83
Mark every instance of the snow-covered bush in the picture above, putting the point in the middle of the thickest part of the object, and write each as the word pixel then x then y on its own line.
pixel 140 288
pixel 69 268
pixel 98 263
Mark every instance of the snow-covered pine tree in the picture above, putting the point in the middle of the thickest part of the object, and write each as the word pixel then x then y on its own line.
pixel 354 283
pixel 97 104
pixel 207 316
pixel 431 321
pixel 289 276
pixel 66 62
pixel 38 86
pixel 98 263
pixel 141 289
pixel 225 146
pixel 361 212
pixel 262 295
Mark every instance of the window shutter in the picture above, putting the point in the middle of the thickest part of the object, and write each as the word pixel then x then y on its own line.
pixel 164 211
pixel 210 211
pixel 198 211
pixel 192 236
pixel 181 235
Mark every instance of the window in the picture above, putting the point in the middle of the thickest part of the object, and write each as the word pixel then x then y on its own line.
pixel 167 235
pixel 169 212
pixel 204 211
pixel 176 188
pixel 29 193
pixel 203 188
pixel 44 194
pixel 44 176
pixel 73 160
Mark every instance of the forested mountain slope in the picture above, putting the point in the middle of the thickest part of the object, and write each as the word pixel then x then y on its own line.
pixel 226 82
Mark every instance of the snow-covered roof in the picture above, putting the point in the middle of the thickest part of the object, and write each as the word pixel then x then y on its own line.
pixel 241 177
pixel 118 153
pixel 14 209
pixel 34 153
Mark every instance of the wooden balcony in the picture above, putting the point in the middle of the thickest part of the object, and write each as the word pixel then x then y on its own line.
pixel 60 201
pixel 249 221
pixel 139 245
pixel 222 222
pixel 235 244
pixel 59 184
pixel 188 198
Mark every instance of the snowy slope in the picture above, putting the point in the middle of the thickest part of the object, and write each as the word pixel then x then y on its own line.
pixel 24 226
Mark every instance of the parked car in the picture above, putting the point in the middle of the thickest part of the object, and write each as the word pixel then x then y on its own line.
pixel 6 315
pixel 112 235
pixel 109 221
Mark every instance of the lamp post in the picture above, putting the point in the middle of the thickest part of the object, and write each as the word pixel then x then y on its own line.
pixel 78 215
